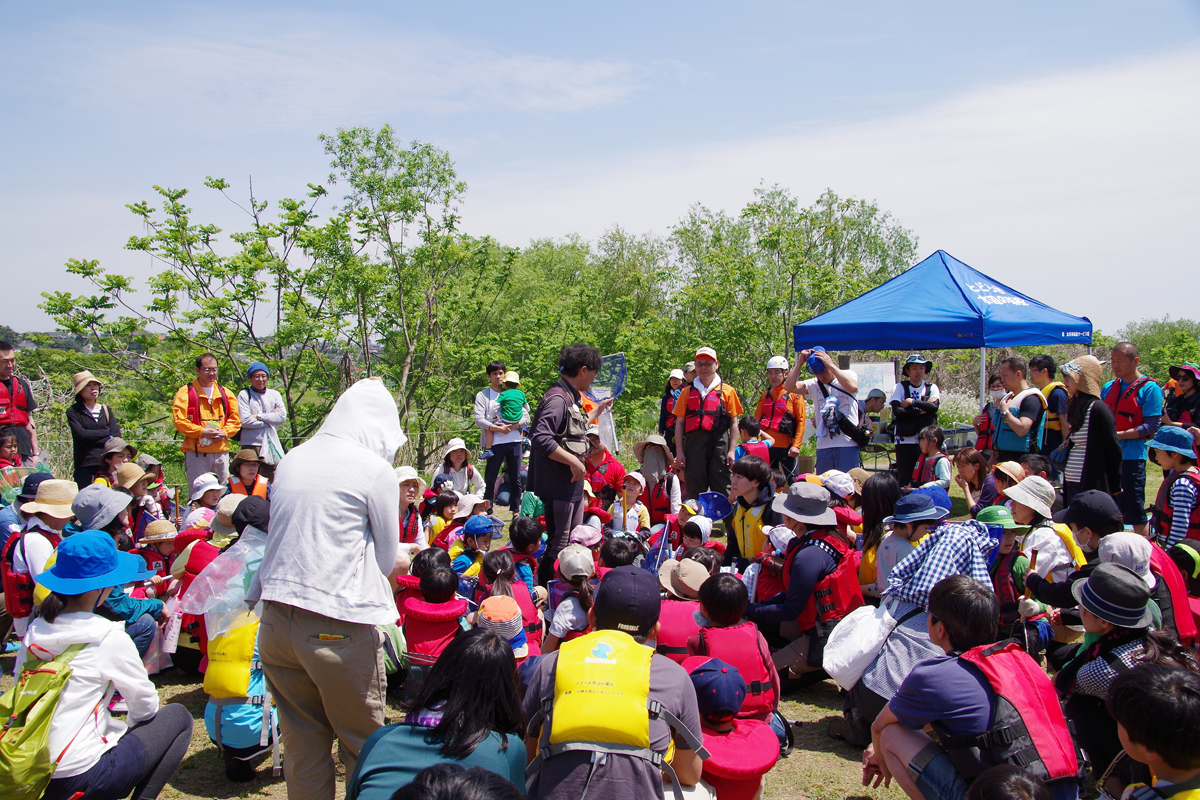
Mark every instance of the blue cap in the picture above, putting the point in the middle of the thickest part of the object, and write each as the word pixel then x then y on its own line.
pixel 714 505
pixel 1174 440
pixel 917 507
pixel 941 498
pixel 255 367
pixel 478 525
pixel 29 488
pixel 90 560
pixel 720 688
pixel 815 365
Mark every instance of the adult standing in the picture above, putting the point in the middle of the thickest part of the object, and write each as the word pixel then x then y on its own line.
pixel 833 390
pixel 92 425
pixel 206 413
pixel 1183 405
pixel 1042 370
pixel 16 403
pixel 506 437
pixel 558 443
pixel 915 406
pixel 1136 403
pixel 1020 415
pixel 335 537
pixel 781 415
pixel 262 412
pixel 705 417
pixel 1094 456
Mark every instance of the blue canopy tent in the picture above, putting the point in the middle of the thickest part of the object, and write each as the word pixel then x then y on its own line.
pixel 942 303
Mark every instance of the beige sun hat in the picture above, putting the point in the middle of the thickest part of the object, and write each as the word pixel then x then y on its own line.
pixel 1087 372
pixel 81 379
pixel 466 505
pixel 1014 471
pixel 223 522
pixel 53 498
pixel 409 474
pixel 128 474
pixel 161 530
pixel 682 579
pixel 1034 492
pixel 640 447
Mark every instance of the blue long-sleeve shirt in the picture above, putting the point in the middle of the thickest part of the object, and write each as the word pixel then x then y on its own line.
pixel 130 608
pixel 809 566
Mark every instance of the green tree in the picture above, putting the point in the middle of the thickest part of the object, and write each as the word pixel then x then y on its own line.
pixel 1162 343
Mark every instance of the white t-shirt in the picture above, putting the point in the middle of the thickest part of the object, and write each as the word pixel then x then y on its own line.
pixel 847 404
pixel 900 394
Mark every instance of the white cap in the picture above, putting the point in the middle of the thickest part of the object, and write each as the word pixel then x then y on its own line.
pixel 707 352
pixel 676 373
pixel 777 362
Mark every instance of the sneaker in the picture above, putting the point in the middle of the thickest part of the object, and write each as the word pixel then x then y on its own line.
pixel 117 704
pixel 486 454
pixel 11 647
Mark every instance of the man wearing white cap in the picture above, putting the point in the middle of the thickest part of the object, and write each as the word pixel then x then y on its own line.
pixel 705 416
pixel 781 415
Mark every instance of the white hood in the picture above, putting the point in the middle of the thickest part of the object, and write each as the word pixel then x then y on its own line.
pixel 366 415
pixel 72 629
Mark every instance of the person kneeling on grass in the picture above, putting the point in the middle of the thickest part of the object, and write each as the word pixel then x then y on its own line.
pixel 983 702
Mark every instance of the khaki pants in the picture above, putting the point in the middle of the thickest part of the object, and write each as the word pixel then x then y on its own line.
pixel 794 655
pixel 323 688
pixel 196 464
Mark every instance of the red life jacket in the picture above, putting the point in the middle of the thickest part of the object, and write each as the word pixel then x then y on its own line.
pixel 986 438
pixel 530 620
pixel 598 475
pixel 774 413
pixel 18 586
pixel 1126 409
pixel 410 526
pixel 154 560
pixel 657 500
pixel 767 585
pixel 410 586
pixel 260 487
pixel 738 647
pixel 926 469
pixel 430 627
pixel 1028 727
pixel 443 538
pixel 200 557
pixel 1165 570
pixel 739 758
pixel 702 414
pixel 671 529
pixel 193 406
pixel 1163 514
pixel 759 449
pixel 839 592
pixel 1006 587
pixel 676 623
pixel 14 408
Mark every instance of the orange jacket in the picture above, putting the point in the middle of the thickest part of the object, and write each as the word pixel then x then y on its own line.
pixel 209 411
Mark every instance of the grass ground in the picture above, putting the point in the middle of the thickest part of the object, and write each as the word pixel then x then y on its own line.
pixel 819 768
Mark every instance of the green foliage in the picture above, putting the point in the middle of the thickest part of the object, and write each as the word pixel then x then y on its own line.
pixel 1163 343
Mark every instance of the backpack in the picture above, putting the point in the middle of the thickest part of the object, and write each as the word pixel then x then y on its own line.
pixel 855 432
pixel 28 708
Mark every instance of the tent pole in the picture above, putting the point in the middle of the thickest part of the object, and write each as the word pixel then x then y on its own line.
pixel 983 387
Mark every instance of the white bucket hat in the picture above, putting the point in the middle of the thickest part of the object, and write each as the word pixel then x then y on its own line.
pixel 204 482
pixel 410 474
pixel 454 444
pixel 1035 492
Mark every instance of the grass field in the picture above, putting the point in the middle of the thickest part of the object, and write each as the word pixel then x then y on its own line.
pixel 819 768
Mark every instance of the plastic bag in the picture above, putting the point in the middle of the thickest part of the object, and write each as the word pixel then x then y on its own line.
pixel 171 630
pixel 219 591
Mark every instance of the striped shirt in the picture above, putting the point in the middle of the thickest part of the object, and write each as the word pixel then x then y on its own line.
pixel 1183 501
pixel 1073 469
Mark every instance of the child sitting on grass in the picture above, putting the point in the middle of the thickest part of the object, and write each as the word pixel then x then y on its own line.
pixel 629 515
pixel 525 540
pixel 570 596
pixel 466 555
pixel 430 624
pixel 410 585
pixel 914 515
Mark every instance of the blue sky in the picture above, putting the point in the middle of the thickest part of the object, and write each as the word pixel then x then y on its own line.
pixel 1051 145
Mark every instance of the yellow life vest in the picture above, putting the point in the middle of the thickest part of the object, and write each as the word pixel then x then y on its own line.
pixel 602 704
pixel 40 593
pixel 748 529
pixel 457 550
pixel 1068 539
pixel 230 660
pixel 1187 790
pixel 1053 423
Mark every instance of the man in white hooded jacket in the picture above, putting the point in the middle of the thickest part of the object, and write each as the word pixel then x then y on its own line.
pixel 335 537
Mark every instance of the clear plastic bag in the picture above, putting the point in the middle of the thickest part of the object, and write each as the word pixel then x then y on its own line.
pixel 219 591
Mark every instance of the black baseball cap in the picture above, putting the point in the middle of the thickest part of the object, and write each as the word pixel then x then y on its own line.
pixel 30 487
pixel 628 599
pixel 1091 509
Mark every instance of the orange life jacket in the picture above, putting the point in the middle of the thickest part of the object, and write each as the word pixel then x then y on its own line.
pixel 260 487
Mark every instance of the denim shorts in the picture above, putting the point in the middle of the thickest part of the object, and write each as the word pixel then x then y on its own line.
pixel 938 779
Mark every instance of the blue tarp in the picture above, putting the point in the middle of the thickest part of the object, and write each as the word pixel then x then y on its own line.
pixel 941 303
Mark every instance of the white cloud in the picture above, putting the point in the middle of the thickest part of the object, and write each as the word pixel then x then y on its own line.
pixel 310 74
pixel 1079 189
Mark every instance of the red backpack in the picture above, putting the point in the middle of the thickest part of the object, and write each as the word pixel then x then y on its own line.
pixel 1028 727
pixel 738 646
pixel 18 586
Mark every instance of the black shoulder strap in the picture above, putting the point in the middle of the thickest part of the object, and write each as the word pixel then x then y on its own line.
pixel 824 547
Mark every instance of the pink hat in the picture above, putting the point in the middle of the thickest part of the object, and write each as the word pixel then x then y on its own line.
pixel 586 535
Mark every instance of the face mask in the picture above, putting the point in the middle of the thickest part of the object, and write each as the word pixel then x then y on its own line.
pixel 997 394
pixel 700 620
pixel 1084 544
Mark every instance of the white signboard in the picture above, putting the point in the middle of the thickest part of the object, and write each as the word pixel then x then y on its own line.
pixel 874 375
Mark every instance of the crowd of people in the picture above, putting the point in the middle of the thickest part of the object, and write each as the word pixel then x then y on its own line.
pixel 639 628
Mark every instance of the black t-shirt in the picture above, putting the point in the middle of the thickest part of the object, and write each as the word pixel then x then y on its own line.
pixel 1031 408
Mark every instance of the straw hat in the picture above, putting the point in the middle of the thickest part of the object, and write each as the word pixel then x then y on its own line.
pixel 53 498
pixel 128 474
pixel 81 379
pixel 160 530
pixel 1087 372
